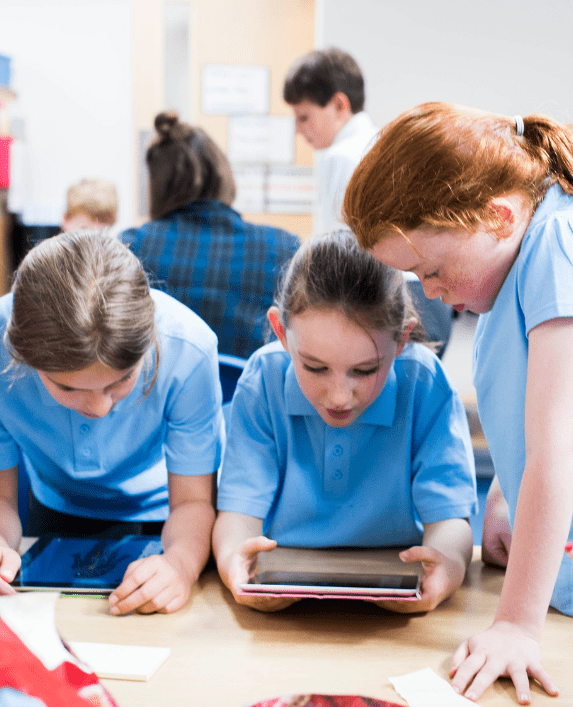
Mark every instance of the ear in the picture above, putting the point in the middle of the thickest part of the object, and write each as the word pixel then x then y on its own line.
pixel 277 325
pixel 406 331
pixel 341 103
pixel 504 211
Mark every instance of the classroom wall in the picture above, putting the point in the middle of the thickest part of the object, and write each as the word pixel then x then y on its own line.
pixel 509 56
pixel 88 73
pixel 72 71
pixel 270 33
pixel 90 76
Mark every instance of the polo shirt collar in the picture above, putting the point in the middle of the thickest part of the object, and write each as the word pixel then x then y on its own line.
pixel 46 398
pixel 381 412
pixel 358 121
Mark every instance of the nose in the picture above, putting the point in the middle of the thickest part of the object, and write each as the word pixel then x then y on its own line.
pixel 340 393
pixel 433 289
pixel 97 403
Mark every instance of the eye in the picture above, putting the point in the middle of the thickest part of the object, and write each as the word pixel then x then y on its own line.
pixel 363 372
pixel 310 369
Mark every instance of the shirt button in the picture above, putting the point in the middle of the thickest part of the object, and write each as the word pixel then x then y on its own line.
pixel 337 475
pixel 84 428
pixel 87 452
pixel 337 450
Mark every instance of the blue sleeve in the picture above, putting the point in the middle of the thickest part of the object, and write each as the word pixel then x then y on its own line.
pixel 194 418
pixel 443 466
pixel 545 275
pixel 250 474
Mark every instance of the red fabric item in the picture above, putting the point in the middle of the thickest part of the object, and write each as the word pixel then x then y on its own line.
pixel 66 686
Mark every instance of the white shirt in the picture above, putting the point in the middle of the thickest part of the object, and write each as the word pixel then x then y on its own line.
pixel 335 167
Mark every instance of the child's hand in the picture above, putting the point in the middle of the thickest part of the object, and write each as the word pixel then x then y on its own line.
pixel 243 566
pixel 440 578
pixel 149 585
pixel 496 537
pixel 9 565
pixel 504 649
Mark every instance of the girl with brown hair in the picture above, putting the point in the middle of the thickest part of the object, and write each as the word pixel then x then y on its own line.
pixel 347 431
pixel 110 400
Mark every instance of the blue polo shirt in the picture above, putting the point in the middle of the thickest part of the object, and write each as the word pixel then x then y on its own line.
pixel 115 467
pixel 539 287
pixel 407 460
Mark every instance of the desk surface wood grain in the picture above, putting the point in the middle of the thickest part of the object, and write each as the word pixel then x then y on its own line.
pixel 225 655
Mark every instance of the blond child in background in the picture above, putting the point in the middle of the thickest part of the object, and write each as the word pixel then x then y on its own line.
pixel 90 203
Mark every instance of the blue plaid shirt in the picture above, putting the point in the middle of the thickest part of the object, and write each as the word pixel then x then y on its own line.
pixel 221 267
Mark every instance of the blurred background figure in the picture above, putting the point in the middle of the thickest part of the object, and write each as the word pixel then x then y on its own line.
pixel 325 90
pixel 90 203
pixel 199 249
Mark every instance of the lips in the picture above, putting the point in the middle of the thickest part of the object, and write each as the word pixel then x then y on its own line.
pixel 339 414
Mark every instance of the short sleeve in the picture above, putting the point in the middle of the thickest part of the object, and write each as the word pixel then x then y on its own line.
pixel 443 466
pixel 250 474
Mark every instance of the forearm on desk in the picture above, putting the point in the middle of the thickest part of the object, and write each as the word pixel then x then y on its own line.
pixel 451 537
pixel 542 521
pixel 186 535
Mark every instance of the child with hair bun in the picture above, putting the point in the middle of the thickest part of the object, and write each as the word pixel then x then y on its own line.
pixel 197 247
pixel 480 207
pixel 347 431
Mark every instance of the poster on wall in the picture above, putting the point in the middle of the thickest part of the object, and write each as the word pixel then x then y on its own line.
pixel 261 138
pixel 231 89
pixel 274 188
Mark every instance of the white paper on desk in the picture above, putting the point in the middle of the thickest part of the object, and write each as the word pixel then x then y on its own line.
pixel 110 660
pixel 424 688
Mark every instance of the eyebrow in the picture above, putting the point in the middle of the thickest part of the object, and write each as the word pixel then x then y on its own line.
pixel 63 386
pixel 369 362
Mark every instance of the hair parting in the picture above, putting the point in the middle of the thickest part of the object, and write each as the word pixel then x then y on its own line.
pixel 333 272
pixel 81 298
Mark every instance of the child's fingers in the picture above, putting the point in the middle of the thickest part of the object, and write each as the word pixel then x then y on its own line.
pixel 9 564
pixel 136 575
pixel 250 548
pixel 421 553
pixel 6 588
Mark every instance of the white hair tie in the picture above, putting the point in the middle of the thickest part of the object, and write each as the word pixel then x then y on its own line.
pixel 519 125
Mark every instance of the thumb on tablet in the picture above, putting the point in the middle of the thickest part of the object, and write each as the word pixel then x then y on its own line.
pixel 253 546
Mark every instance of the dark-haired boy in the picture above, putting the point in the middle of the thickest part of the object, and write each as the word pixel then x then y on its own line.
pixel 326 91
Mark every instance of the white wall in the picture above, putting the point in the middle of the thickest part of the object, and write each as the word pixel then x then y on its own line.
pixel 73 75
pixel 507 56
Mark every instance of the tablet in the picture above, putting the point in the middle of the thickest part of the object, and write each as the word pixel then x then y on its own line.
pixel 81 565
pixel 373 573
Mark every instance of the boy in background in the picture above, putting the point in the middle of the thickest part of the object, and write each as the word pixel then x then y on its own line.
pixel 91 203
pixel 326 92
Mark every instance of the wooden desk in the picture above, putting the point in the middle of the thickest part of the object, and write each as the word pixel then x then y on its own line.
pixel 224 655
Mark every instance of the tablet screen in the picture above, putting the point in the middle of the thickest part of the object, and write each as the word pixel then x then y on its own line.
pixel 88 565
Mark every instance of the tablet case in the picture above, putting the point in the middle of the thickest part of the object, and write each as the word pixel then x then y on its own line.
pixel 354 561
